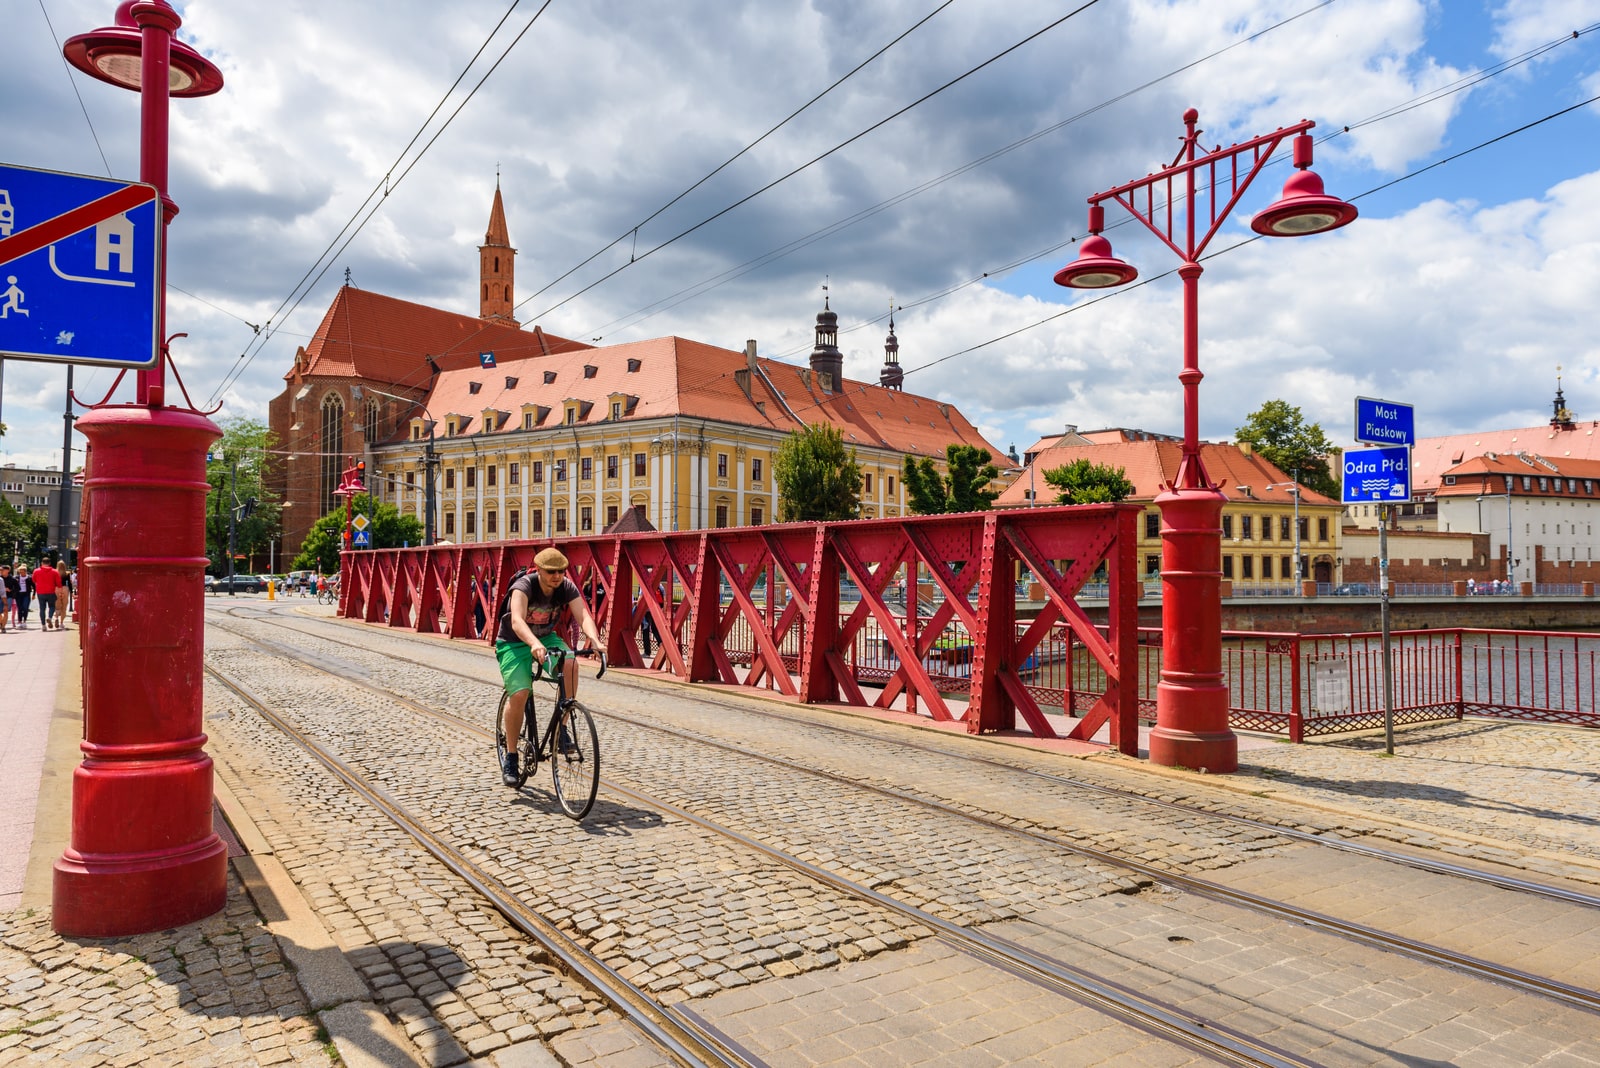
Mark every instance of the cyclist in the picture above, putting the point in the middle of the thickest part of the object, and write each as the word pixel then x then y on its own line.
pixel 527 634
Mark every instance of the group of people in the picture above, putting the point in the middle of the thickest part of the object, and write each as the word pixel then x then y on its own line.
pixel 50 584
pixel 1488 586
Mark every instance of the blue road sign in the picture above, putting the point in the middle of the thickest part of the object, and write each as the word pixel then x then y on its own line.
pixel 1381 422
pixel 361 539
pixel 80 268
pixel 1377 476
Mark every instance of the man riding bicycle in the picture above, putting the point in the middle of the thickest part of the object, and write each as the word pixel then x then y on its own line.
pixel 527 635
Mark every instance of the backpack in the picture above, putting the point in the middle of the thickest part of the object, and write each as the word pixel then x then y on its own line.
pixel 502 605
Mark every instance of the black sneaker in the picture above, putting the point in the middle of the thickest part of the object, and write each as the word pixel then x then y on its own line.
pixel 508 771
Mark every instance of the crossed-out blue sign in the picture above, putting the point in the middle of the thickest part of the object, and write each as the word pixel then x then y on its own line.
pixel 1376 476
pixel 1382 422
pixel 79 268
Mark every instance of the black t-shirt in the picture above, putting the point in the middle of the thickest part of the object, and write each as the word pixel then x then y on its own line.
pixel 543 612
pixel 13 587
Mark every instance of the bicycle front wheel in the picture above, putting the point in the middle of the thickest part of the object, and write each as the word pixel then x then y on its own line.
pixel 575 765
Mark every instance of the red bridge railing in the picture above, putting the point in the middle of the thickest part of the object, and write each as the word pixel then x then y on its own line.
pixel 921 611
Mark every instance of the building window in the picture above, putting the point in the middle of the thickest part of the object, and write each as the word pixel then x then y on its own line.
pixel 891 485
pixel 411 480
pixel 1305 530
pixel 449 522
pixel 1266 528
pixel 332 445
pixel 561 471
pixel 449 478
pixel 866 484
pixel 586 518
pixel 1246 532
pixel 1152 525
pixel 1227 526
pixel 757 515
pixel 572 415
pixel 536 471
pixel 1227 567
pixel 527 420
pixel 638 464
pixel 1283 528
pixel 611 515
pixel 513 522
pixel 1247 567
pixel 472 477
pixel 536 521
pixel 514 474
pixel 561 520
pixel 722 465
pixel 491 475
pixel 1322 529
pixel 611 466
pixel 755 470
pixel 491 522
pixel 722 515
pixel 1152 565
pixel 616 409
pixel 586 466
pixel 471 520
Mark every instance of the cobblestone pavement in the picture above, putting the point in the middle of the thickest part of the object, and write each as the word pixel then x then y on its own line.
pixel 680 912
pixel 217 992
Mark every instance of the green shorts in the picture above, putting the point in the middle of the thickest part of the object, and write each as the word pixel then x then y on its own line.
pixel 516 661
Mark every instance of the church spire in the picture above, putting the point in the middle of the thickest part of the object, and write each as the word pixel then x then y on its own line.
pixel 1561 419
pixel 826 359
pixel 497 274
pixel 891 375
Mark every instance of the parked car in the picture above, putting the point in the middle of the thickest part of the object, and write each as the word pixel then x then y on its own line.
pixel 238 584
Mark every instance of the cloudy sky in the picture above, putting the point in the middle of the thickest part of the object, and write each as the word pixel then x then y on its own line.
pixel 1461 289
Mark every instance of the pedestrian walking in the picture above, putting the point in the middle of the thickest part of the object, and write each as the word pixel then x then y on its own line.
pixel 46 582
pixel 8 596
pixel 24 597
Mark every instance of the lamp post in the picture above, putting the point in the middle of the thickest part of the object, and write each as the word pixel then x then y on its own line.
pixel 1192 698
pixel 1294 490
pixel 144 855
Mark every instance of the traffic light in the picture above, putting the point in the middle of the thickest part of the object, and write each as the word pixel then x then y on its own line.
pixel 247 508
pixel 361 472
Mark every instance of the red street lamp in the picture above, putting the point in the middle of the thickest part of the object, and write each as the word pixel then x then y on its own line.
pixel 351 482
pixel 144 855
pixel 1192 699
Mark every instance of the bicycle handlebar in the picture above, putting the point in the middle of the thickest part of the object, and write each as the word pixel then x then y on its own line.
pixel 590 654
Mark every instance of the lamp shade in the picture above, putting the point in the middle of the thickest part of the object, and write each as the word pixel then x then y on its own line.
pixel 1096 267
pixel 112 54
pixel 1303 209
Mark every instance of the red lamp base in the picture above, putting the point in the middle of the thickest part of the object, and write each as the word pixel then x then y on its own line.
pixel 109 895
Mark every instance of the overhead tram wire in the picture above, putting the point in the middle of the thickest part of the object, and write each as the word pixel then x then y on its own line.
pixel 303 288
pixel 1460 85
pixel 819 158
pixel 634 229
pixel 714 281
pixel 1143 281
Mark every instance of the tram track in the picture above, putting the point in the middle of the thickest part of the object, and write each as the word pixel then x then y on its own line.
pixel 1434 865
pixel 681 1033
pixel 1575 996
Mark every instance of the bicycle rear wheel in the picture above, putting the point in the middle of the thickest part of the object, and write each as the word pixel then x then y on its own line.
pixel 575 764
pixel 525 750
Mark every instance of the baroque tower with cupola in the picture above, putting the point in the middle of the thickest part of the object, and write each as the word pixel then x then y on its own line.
pixel 497 270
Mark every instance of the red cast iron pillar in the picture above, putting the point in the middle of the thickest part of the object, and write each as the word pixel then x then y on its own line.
pixel 143 854
pixel 1192 697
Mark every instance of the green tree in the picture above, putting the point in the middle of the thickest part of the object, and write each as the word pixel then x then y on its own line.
pixel 1083 482
pixel 240 469
pixel 965 490
pixel 1281 436
pixel 817 477
pixel 22 533
pixel 389 530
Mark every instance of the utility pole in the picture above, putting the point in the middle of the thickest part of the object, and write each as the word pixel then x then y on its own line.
pixel 233 517
pixel 430 464
pixel 66 471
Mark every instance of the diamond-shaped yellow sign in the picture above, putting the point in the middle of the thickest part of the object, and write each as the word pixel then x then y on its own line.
pixel 360 522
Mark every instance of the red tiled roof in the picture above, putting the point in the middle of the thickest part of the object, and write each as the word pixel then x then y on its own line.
pixel 674 376
pixel 1432 457
pixel 1152 465
pixel 394 336
pixel 1469 474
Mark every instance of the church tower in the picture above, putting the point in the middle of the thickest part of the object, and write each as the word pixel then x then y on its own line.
pixel 891 376
pixel 497 269
pixel 826 359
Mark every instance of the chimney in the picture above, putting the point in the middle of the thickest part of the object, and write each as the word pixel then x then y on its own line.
pixel 750 354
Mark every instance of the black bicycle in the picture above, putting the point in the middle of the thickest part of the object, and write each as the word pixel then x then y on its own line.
pixel 569 741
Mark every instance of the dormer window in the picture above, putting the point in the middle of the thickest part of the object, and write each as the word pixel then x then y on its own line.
pixel 572 414
pixel 511 383
pixel 549 377
pixel 473 387
pixel 633 366
pixel 590 370
pixel 616 409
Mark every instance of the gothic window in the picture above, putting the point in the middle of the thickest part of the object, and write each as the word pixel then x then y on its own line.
pixel 332 449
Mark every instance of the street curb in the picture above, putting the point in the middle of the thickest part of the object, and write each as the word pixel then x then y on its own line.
pixel 52 820
pixel 335 991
